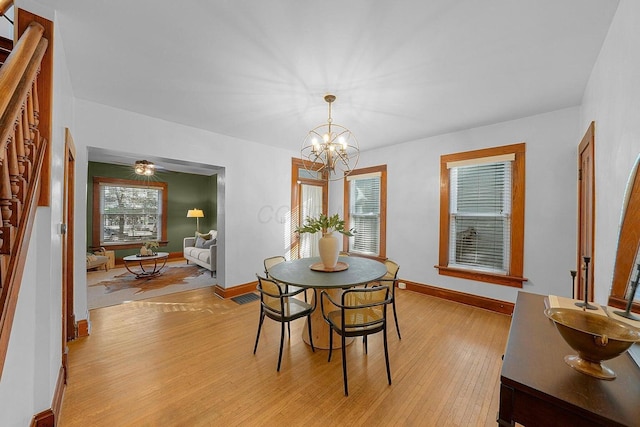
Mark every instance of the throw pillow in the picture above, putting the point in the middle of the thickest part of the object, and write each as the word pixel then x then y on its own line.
pixel 208 243
pixel 213 234
pixel 204 236
pixel 200 241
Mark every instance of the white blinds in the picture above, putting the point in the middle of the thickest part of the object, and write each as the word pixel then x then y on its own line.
pixel 480 216
pixel 364 210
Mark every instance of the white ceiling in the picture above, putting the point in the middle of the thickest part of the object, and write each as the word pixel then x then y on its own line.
pixel 401 69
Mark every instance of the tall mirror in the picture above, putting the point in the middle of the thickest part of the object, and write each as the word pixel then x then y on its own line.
pixel 628 254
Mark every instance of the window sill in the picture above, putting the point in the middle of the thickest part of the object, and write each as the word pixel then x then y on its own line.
pixel 128 245
pixel 480 276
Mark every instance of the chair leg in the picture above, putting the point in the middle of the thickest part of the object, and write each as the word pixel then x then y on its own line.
pixel 344 366
pixel 281 344
pixel 395 316
pixel 310 334
pixel 255 347
pixel 330 343
pixel 386 354
pixel 364 341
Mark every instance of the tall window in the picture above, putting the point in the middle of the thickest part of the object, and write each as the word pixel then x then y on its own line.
pixel 365 200
pixel 482 215
pixel 127 212
pixel 309 197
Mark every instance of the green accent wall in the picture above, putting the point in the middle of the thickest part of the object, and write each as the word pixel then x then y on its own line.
pixel 185 191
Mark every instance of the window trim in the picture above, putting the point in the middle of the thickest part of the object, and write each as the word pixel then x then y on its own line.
pixel 515 277
pixel 382 170
pixel 95 217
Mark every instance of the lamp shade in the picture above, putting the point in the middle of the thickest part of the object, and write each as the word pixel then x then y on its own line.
pixel 195 213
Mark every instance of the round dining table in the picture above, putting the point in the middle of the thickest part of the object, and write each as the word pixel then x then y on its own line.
pixel 299 272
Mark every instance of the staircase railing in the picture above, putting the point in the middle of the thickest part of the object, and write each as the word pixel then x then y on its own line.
pixel 5 5
pixel 22 154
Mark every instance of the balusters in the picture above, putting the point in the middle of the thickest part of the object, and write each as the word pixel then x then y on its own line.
pixel 23 162
pixel 17 155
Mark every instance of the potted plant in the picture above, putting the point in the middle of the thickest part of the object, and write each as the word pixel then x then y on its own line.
pixel 328 245
pixel 149 248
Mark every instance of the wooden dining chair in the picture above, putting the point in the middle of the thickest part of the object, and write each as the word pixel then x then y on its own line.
pixel 390 279
pixel 281 306
pixel 361 312
pixel 275 260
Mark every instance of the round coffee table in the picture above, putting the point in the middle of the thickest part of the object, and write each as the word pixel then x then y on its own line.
pixel 146 266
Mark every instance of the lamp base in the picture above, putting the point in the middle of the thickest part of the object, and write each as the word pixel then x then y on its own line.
pixel 627 315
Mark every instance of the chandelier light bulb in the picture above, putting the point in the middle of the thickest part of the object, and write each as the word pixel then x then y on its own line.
pixel 144 167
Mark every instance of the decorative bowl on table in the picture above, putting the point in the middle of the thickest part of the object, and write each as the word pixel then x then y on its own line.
pixel 594 337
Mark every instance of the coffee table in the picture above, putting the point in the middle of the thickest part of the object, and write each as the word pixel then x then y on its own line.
pixel 146 266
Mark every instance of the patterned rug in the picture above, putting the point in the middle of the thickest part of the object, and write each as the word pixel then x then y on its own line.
pixel 118 285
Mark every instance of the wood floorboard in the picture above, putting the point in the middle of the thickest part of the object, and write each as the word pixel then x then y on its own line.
pixel 186 360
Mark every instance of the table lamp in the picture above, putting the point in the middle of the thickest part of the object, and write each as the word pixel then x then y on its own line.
pixel 197 214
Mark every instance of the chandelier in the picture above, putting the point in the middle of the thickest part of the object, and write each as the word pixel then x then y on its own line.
pixel 143 167
pixel 330 149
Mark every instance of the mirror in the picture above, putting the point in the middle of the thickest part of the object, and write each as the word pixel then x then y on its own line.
pixel 628 254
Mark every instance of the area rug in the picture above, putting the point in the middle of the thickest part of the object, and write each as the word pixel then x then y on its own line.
pixel 122 286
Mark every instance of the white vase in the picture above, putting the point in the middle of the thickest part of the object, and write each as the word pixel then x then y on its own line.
pixel 329 247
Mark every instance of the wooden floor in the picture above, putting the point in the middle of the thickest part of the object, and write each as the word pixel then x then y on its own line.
pixel 186 360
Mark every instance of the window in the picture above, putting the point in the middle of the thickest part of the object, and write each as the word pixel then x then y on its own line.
pixel 126 212
pixel 365 199
pixel 482 215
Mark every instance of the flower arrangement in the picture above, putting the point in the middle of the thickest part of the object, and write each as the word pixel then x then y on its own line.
pixel 149 248
pixel 326 224
pixel 151 244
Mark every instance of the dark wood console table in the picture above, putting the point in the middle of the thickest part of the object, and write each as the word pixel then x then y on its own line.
pixel 537 388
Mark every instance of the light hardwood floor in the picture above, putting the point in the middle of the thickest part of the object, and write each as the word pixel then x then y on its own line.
pixel 186 360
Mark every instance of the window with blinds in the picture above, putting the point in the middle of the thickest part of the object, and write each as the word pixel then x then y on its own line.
pixel 365 192
pixel 482 201
pixel 364 210
pixel 480 210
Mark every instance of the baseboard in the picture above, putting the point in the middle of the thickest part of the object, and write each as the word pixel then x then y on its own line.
pixel 56 401
pixel 236 290
pixel 83 328
pixel 498 306
pixel 44 419
pixel 48 417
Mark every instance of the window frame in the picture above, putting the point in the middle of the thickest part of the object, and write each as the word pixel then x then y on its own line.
pixel 515 276
pixel 97 224
pixel 382 170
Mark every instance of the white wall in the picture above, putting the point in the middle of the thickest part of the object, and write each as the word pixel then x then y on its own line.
pixel 413 201
pixel 612 100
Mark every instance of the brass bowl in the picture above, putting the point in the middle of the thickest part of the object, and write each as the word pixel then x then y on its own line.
pixel 594 337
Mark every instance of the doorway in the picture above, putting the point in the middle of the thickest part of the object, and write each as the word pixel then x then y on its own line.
pixel 67 232
pixel 309 197
pixel 586 215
